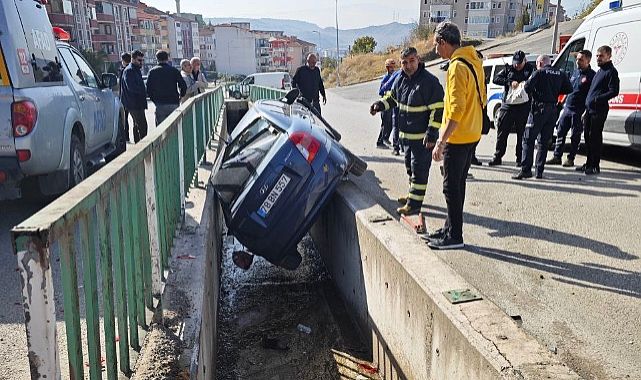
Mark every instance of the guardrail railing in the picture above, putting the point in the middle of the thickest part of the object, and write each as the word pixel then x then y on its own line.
pixel 260 93
pixel 112 236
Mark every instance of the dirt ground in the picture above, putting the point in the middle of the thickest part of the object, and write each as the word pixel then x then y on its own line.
pixel 261 310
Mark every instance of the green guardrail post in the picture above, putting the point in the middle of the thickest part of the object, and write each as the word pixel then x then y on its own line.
pixel 70 300
pixel 90 282
pixel 117 225
pixel 136 220
pixel 125 194
pixel 106 271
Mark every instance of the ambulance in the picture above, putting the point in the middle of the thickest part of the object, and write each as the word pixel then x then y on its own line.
pixel 616 24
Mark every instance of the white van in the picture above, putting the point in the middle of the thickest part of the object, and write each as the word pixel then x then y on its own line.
pixel 609 25
pixel 279 80
pixel 493 67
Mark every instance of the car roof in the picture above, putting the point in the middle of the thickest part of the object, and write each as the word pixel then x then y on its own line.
pixel 281 113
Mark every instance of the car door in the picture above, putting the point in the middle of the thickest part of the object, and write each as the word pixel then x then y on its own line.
pixel 84 97
pixel 103 97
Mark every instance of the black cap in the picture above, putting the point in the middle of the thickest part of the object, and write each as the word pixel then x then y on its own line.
pixel 518 57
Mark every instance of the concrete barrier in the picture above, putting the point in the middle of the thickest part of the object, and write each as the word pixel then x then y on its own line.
pixel 393 286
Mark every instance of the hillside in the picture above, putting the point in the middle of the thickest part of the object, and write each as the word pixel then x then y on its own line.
pixel 391 34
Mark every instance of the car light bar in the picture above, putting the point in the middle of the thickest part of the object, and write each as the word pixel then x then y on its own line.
pixel 307 145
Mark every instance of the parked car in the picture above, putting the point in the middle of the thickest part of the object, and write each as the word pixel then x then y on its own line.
pixel 281 166
pixel 608 24
pixel 279 80
pixel 60 118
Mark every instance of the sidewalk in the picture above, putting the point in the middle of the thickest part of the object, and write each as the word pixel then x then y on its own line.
pixel 561 253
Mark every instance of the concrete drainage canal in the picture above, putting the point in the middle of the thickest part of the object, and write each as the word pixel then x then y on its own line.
pixel 279 324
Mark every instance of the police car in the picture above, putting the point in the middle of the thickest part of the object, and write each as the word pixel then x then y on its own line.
pixel 493 66
pixel 58 118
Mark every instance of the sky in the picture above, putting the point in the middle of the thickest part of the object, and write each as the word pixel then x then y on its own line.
pixel 351 13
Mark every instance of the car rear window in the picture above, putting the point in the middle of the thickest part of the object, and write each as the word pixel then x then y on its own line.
pixel 248 136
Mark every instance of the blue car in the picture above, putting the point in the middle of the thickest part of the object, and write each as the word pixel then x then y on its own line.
pixel 281 167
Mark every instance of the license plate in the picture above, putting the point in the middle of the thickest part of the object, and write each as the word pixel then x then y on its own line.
pixel 273 196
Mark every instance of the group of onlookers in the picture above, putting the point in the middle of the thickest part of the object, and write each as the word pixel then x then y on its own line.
pixel 446 124
pixel 167 87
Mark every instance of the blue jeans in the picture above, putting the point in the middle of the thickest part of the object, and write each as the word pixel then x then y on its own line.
pixel 568 120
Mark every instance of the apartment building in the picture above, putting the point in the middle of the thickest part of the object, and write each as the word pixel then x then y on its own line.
pixel 78 17
pixel 484 19
pixel 235 50
pixel 116 20
pixel 207 48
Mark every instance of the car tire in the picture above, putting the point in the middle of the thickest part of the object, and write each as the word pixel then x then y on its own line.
pixel 356 165
pixel 77 165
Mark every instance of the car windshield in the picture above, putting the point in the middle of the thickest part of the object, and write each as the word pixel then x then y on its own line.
pixel 256 128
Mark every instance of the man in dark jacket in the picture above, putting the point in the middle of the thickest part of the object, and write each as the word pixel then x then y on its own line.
pixel 419 98
pixel 573 110
pixel 386 116
pixel 604 87
pixel 125 60
pixel 511 116
pixel 544 87
pixel 133 94
pixel 163 84
pixel 308 80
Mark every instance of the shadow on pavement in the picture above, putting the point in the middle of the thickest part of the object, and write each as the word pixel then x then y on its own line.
pixel 503 228
pixel 601 277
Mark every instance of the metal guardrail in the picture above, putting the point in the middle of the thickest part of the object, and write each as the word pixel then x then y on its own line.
pixel 112 234
pixel 260 93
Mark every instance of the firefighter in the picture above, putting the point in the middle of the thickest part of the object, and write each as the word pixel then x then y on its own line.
pixel 544 87
pixel 419 98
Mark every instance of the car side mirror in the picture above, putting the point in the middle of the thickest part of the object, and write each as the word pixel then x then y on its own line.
pixel 109 80
pixel 291 96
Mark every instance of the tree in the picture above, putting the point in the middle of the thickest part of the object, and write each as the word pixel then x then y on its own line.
pixel 96 59
pixel 588 8
pixel 522 21
pixel 363 45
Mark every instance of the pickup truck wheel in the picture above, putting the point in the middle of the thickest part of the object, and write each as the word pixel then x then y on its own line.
pixel 77 169
pixel 356 165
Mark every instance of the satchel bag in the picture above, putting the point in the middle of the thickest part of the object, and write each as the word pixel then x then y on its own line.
pixel 487 124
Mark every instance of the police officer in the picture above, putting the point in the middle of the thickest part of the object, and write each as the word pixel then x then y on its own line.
pixel 573 110
pixel 419 98
pixel 544 87
pixel 511 116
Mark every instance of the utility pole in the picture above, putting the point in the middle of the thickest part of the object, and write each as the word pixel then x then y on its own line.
pixel 338 52
pixel 555 35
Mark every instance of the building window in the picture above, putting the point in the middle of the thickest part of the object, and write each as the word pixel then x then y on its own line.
pixel 493 5
pixel 466 19
pixel 467 6
pixel 499 6
pixel 454 14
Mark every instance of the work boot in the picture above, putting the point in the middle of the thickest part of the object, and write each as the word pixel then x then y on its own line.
pixel 475 161
pixel 396 152
pixel 381 145
pixel 495 162
pixel 568 163
pixel 553 161
pixel 402 200
pixel 408 210
pixel 582 168
pixel 437 234
pixel 591 171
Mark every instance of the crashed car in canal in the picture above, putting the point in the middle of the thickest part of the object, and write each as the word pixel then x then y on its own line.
pixel 281 165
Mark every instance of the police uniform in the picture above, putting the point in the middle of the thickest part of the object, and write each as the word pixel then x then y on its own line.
pixel 511 116
pixel 419 99
pixel 573 109
pixel 544 87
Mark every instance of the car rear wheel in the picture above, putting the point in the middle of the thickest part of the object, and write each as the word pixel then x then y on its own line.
pixel 77 169
pixel 356 165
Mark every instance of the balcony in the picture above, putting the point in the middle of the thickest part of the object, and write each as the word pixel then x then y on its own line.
pixel 105 18
pixel 104 37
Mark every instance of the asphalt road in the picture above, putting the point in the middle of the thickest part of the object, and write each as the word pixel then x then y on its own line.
pixel 562 252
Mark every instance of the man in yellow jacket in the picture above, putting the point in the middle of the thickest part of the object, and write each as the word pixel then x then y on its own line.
pixel 460 130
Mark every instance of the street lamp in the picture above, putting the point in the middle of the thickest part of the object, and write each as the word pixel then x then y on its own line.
pixel 319 41
pixel 338 52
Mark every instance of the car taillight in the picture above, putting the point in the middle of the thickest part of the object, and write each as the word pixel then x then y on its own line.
pixel 23 155
pixel 306 144
pixel 23 117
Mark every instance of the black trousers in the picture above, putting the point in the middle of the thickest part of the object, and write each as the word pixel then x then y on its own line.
pixel 386 126
pixel 140 124
pixel 511 119
pixel 539 129
pixel 568 120
pixel 126 131
pixel 316 104
pixel 456 164
pixel 418 160
pixel 594 124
